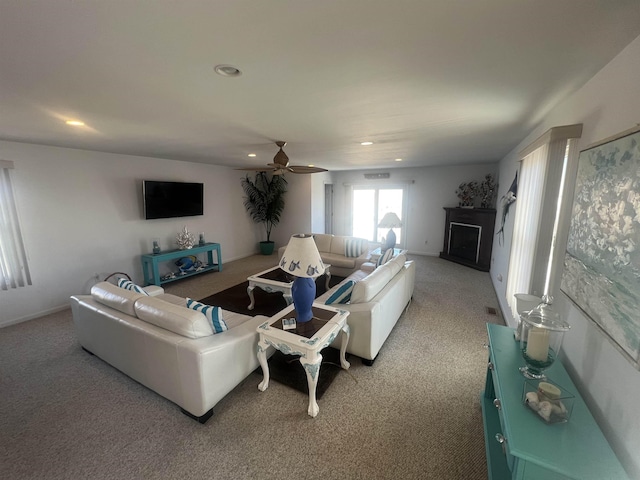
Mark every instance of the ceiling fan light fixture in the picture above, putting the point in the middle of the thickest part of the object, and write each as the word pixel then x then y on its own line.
pixel 227 71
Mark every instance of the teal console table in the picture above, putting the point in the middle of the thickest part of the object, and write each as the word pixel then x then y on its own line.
pixel 519 445
pixel 151 261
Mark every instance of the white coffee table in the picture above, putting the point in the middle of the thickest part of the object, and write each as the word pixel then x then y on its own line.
pixel 276 280
pixel 307 341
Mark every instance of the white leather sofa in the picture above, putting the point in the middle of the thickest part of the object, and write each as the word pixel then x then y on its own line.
pixel 377 301
pixel 173 351
pixel 332 250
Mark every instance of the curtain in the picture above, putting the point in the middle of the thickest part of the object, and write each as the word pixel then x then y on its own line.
pixel 526 224
pixel 14 270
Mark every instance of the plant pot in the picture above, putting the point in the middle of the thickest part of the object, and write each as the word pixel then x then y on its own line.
pixel 266 248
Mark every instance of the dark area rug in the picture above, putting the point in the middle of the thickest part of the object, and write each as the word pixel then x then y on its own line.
pixel 288 370
pixel 236 299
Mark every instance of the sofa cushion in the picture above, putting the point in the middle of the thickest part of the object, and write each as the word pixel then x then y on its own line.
pixel 354 247
pixel 396 263
pixel 342 293
pixel 323 241
pixel 370 286
pixel 385 257
pixel 115 297
pixel 213 314
pixel 336 260
pixel 129 285
pixel 175 318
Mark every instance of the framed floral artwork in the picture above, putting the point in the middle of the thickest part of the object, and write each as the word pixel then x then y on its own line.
pixel 602 262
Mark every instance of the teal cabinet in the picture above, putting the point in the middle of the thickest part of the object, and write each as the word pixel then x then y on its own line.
pixel 519 445
pixel 151 262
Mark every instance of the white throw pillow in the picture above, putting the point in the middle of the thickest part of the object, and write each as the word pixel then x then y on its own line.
pixel 353 247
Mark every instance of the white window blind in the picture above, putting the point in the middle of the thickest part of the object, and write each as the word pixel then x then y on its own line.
pixel 540 227
pixel 525 227
pixel 14 270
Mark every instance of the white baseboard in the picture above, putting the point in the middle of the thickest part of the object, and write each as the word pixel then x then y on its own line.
pixel 14 321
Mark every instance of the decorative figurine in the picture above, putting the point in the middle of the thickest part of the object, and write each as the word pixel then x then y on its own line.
pixel 185 239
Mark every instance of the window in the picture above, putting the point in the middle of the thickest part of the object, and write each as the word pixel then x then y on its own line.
pixel 369 205
pixel 14 271
pixel 536 246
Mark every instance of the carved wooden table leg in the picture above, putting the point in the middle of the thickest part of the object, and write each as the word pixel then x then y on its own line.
pixel 262 358
pixel 312 367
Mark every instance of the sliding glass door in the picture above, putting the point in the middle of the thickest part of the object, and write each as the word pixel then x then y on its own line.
pixel 370 205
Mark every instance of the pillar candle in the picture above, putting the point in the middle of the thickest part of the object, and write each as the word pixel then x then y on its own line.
pixel 538 344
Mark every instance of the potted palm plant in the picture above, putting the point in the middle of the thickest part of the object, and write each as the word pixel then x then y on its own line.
pixel 264 201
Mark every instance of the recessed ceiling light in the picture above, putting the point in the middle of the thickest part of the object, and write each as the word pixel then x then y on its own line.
pixel 227 71
pixel 251 155
pixel 75 123
pixel 311 165
pixel 366 143
pixel 398 159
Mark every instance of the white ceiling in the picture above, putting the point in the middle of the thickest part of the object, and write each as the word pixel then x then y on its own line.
pixel 432 82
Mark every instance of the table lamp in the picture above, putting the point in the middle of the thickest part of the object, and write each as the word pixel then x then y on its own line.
pixel 302 260
pixel 390 221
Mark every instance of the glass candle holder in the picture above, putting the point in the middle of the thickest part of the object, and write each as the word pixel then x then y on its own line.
pixel 541 338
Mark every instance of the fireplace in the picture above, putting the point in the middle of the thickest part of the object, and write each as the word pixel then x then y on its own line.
pixel 464 241
pixel 468 237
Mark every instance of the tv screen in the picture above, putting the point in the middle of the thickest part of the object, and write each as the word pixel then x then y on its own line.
pixel 172 199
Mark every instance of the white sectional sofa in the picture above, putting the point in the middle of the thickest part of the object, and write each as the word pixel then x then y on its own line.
pixel 167 347
pixel 334 251
pixel 378 299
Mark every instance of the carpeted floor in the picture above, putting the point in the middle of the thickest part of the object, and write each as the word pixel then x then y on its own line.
pixel 415 414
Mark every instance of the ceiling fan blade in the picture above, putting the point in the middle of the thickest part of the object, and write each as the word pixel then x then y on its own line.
pixel 305 169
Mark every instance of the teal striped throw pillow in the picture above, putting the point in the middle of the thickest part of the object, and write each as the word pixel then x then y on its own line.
pixel 213 314
pixel 342 294
pixel 129 285
pixel 353 247
pixel 385 257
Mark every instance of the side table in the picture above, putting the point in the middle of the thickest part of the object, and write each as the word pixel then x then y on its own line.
pixel 307 340
pixel 276 280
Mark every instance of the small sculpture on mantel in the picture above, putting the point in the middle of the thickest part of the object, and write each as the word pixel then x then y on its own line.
pixel 185 239
pixel 466 193
pixel 487 191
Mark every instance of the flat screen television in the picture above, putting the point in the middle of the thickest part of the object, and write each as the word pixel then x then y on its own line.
pixel 172 199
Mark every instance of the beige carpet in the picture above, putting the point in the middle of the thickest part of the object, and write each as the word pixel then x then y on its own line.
pixel 415 414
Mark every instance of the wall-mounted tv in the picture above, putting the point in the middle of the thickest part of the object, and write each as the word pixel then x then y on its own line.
pixel 172 199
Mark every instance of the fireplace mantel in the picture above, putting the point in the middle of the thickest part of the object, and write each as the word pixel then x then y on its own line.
pixel 468 236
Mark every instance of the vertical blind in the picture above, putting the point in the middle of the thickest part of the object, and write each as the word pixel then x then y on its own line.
pixel 14 270
pixel 525 227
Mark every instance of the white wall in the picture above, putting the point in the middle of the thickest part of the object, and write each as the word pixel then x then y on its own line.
pixel 430 189
pixel 318 182
pixel 608 104
pixel 296 217
pixel 81 215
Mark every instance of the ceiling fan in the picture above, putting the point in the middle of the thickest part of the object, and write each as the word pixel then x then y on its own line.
pixel 281 165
